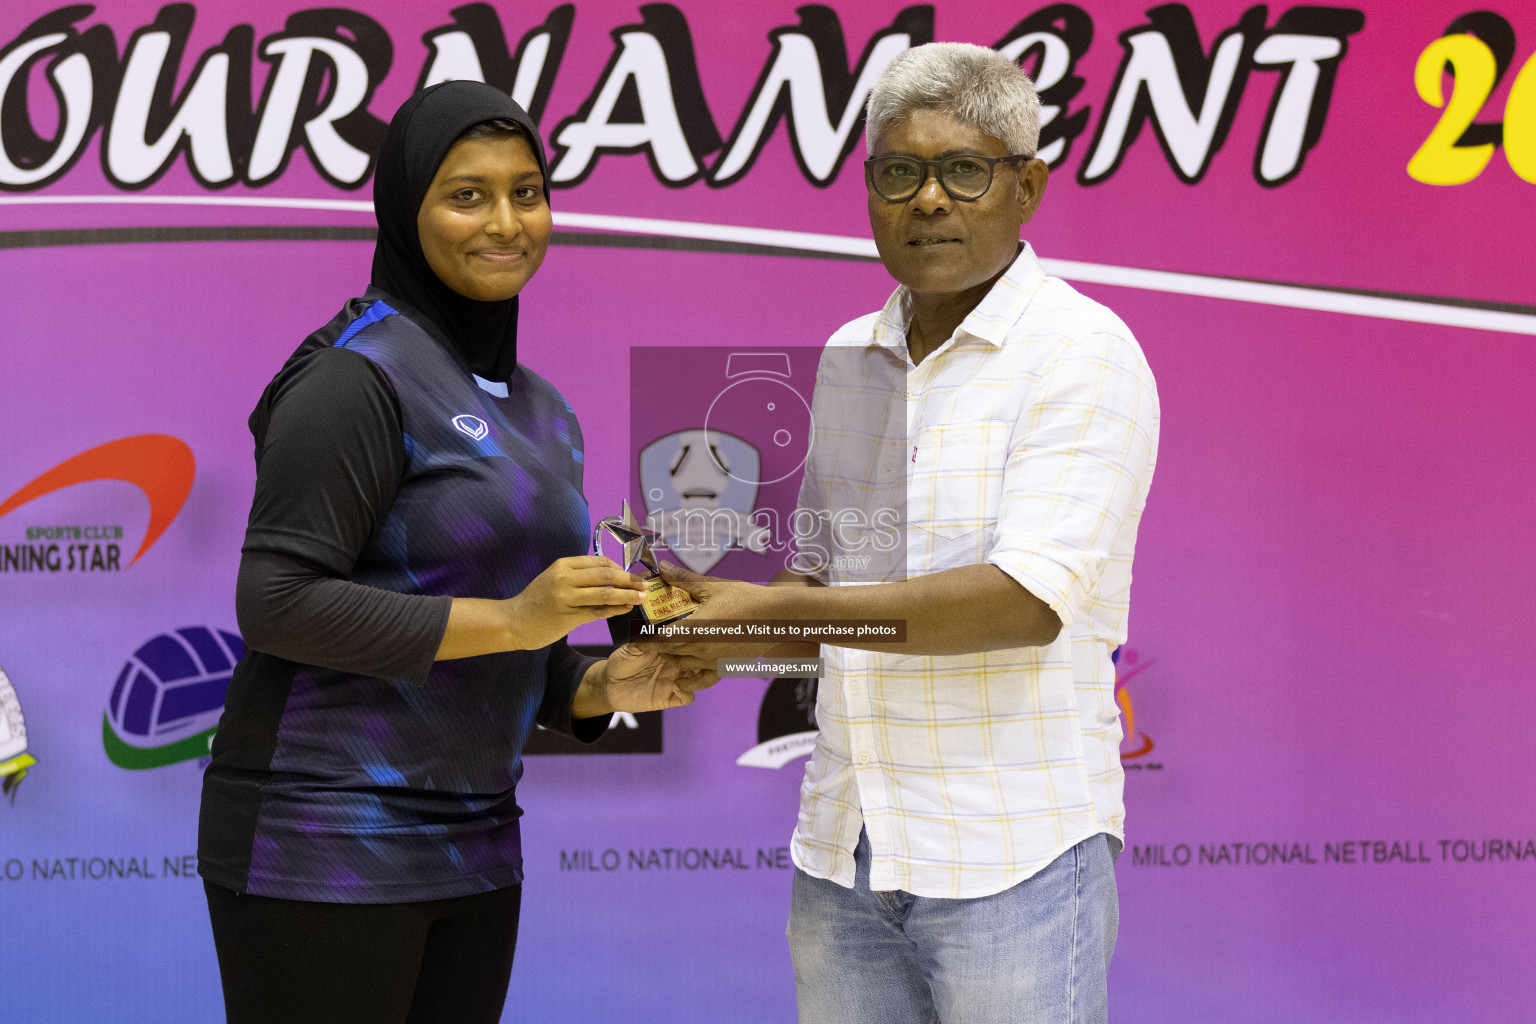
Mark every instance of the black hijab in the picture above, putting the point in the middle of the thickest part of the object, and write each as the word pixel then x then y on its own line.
pixel 420 135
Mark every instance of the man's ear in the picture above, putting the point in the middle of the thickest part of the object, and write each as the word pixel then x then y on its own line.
pixel 1033 177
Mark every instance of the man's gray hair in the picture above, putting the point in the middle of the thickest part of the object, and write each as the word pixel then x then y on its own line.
pixel 976 85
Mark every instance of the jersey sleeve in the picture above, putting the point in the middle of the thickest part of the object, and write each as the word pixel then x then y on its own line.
pixel 329 461
pixel 564 672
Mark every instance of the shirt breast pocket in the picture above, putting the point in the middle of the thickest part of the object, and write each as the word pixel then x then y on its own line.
pixel 954 491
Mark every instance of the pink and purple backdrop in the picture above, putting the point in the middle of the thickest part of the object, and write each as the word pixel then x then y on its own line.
pixel 1329 809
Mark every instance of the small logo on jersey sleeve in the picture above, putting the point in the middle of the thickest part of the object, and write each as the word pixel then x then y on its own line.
pixel 472 426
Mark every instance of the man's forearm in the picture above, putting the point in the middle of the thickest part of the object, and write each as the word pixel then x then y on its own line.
pixel 958 611
pixel 791 578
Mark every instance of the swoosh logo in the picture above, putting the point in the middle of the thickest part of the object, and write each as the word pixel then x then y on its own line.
pixel 1123 699
pixel 159 465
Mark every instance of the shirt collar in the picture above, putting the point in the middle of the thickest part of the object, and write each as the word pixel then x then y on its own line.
pixel 990 321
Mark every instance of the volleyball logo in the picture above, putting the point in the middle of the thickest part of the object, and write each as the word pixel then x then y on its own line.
pixel 166 703
pixel 14 759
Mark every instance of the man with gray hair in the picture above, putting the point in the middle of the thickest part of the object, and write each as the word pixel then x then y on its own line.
pixel 961 813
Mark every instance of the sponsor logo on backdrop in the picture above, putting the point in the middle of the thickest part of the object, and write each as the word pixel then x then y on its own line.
pixel 161 467
pixel 1129 665
pixel 786 724
pixel 165 706
pixel 14 759
pixel 236 121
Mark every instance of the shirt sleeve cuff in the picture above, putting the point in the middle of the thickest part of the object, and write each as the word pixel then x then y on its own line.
pixel 1048 580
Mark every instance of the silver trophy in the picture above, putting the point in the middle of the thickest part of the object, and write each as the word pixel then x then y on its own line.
pixel 663 602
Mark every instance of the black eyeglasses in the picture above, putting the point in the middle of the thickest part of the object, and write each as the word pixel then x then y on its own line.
pixel 966 178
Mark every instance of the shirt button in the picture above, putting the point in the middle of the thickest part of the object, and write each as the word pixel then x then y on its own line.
pixel 889 467
pixel 864 758
pixel 853 687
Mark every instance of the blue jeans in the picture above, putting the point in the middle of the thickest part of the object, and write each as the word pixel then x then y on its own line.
pixel 1037 953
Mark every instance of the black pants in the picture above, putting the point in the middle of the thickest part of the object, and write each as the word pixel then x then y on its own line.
pixel 290 962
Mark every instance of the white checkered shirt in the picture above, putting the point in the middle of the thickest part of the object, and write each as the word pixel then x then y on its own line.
pixel 1029 443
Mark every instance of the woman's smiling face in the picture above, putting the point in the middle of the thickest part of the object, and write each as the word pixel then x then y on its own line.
pixel 485 223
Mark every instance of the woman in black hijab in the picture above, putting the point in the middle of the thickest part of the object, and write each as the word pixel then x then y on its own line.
pixel 416 554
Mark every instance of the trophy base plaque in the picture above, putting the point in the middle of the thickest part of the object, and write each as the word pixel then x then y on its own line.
pixel 664 602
